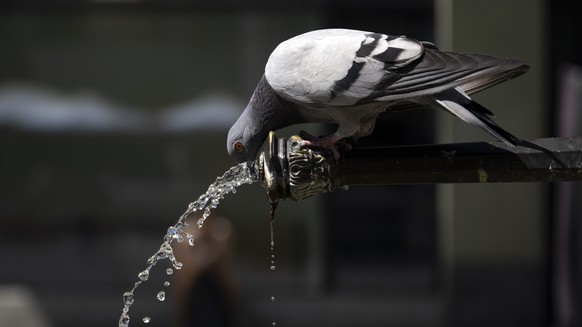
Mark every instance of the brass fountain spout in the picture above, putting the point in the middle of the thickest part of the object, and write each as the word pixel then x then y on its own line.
pixel 289 170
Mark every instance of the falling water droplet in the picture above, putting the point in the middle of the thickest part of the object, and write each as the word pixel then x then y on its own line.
pixel 128 298
pixel 166 284
pixel 177 264
pixel 124 320
pixel 273 267
pixel 273 298
pixel 169 271
pixel 144 275
pixel 190 239
pixel 161 296
pixel 147 320
pixel 274 324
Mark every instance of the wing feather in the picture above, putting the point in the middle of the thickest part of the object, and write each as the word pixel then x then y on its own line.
pixel 438 71
pixel 337 67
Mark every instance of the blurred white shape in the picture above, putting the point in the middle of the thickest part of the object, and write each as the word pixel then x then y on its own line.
pixel 35 108
pixel 19 307
pixel 211 112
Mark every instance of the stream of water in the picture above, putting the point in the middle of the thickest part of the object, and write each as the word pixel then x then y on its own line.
pixel 245 173
pixel 272 258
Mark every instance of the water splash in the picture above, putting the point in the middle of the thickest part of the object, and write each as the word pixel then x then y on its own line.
pixel 245 173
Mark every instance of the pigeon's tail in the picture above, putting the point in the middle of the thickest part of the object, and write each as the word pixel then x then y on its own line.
pixel 459 104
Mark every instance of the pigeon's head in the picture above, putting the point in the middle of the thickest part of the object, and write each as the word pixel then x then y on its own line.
pixel 263 114
pixel 245 138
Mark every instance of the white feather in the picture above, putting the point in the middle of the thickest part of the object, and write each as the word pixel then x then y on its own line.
pixel 304 69
pixel 411 50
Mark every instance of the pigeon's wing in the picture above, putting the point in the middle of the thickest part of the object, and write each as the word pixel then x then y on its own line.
pixel 336 66
pixel 438 71
pixel 346 67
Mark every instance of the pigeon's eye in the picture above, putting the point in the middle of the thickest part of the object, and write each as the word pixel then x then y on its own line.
pixel 238 146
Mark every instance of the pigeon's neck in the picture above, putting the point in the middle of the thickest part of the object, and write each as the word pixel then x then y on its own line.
pixel 269 110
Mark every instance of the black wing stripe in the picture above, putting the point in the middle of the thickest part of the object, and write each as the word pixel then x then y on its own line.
pixel 344 84
pixel 389 56
pixel 367 48
pixel 353 73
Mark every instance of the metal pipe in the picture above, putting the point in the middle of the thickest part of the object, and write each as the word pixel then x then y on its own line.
pixel 544 160
pixel 289 170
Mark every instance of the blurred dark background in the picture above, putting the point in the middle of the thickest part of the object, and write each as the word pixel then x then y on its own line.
pixel 113 117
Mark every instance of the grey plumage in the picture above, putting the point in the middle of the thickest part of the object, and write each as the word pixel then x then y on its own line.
pixel 349 77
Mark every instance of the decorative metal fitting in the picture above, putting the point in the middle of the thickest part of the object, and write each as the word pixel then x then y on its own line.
pixel 289 170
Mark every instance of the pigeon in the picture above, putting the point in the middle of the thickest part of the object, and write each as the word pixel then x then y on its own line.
pixel 348 77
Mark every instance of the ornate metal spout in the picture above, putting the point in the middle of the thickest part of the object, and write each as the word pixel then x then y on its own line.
pixel 290 171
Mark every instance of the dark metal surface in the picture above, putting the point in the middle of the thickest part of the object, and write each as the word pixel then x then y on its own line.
pixel 543 160
pixel 290 171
